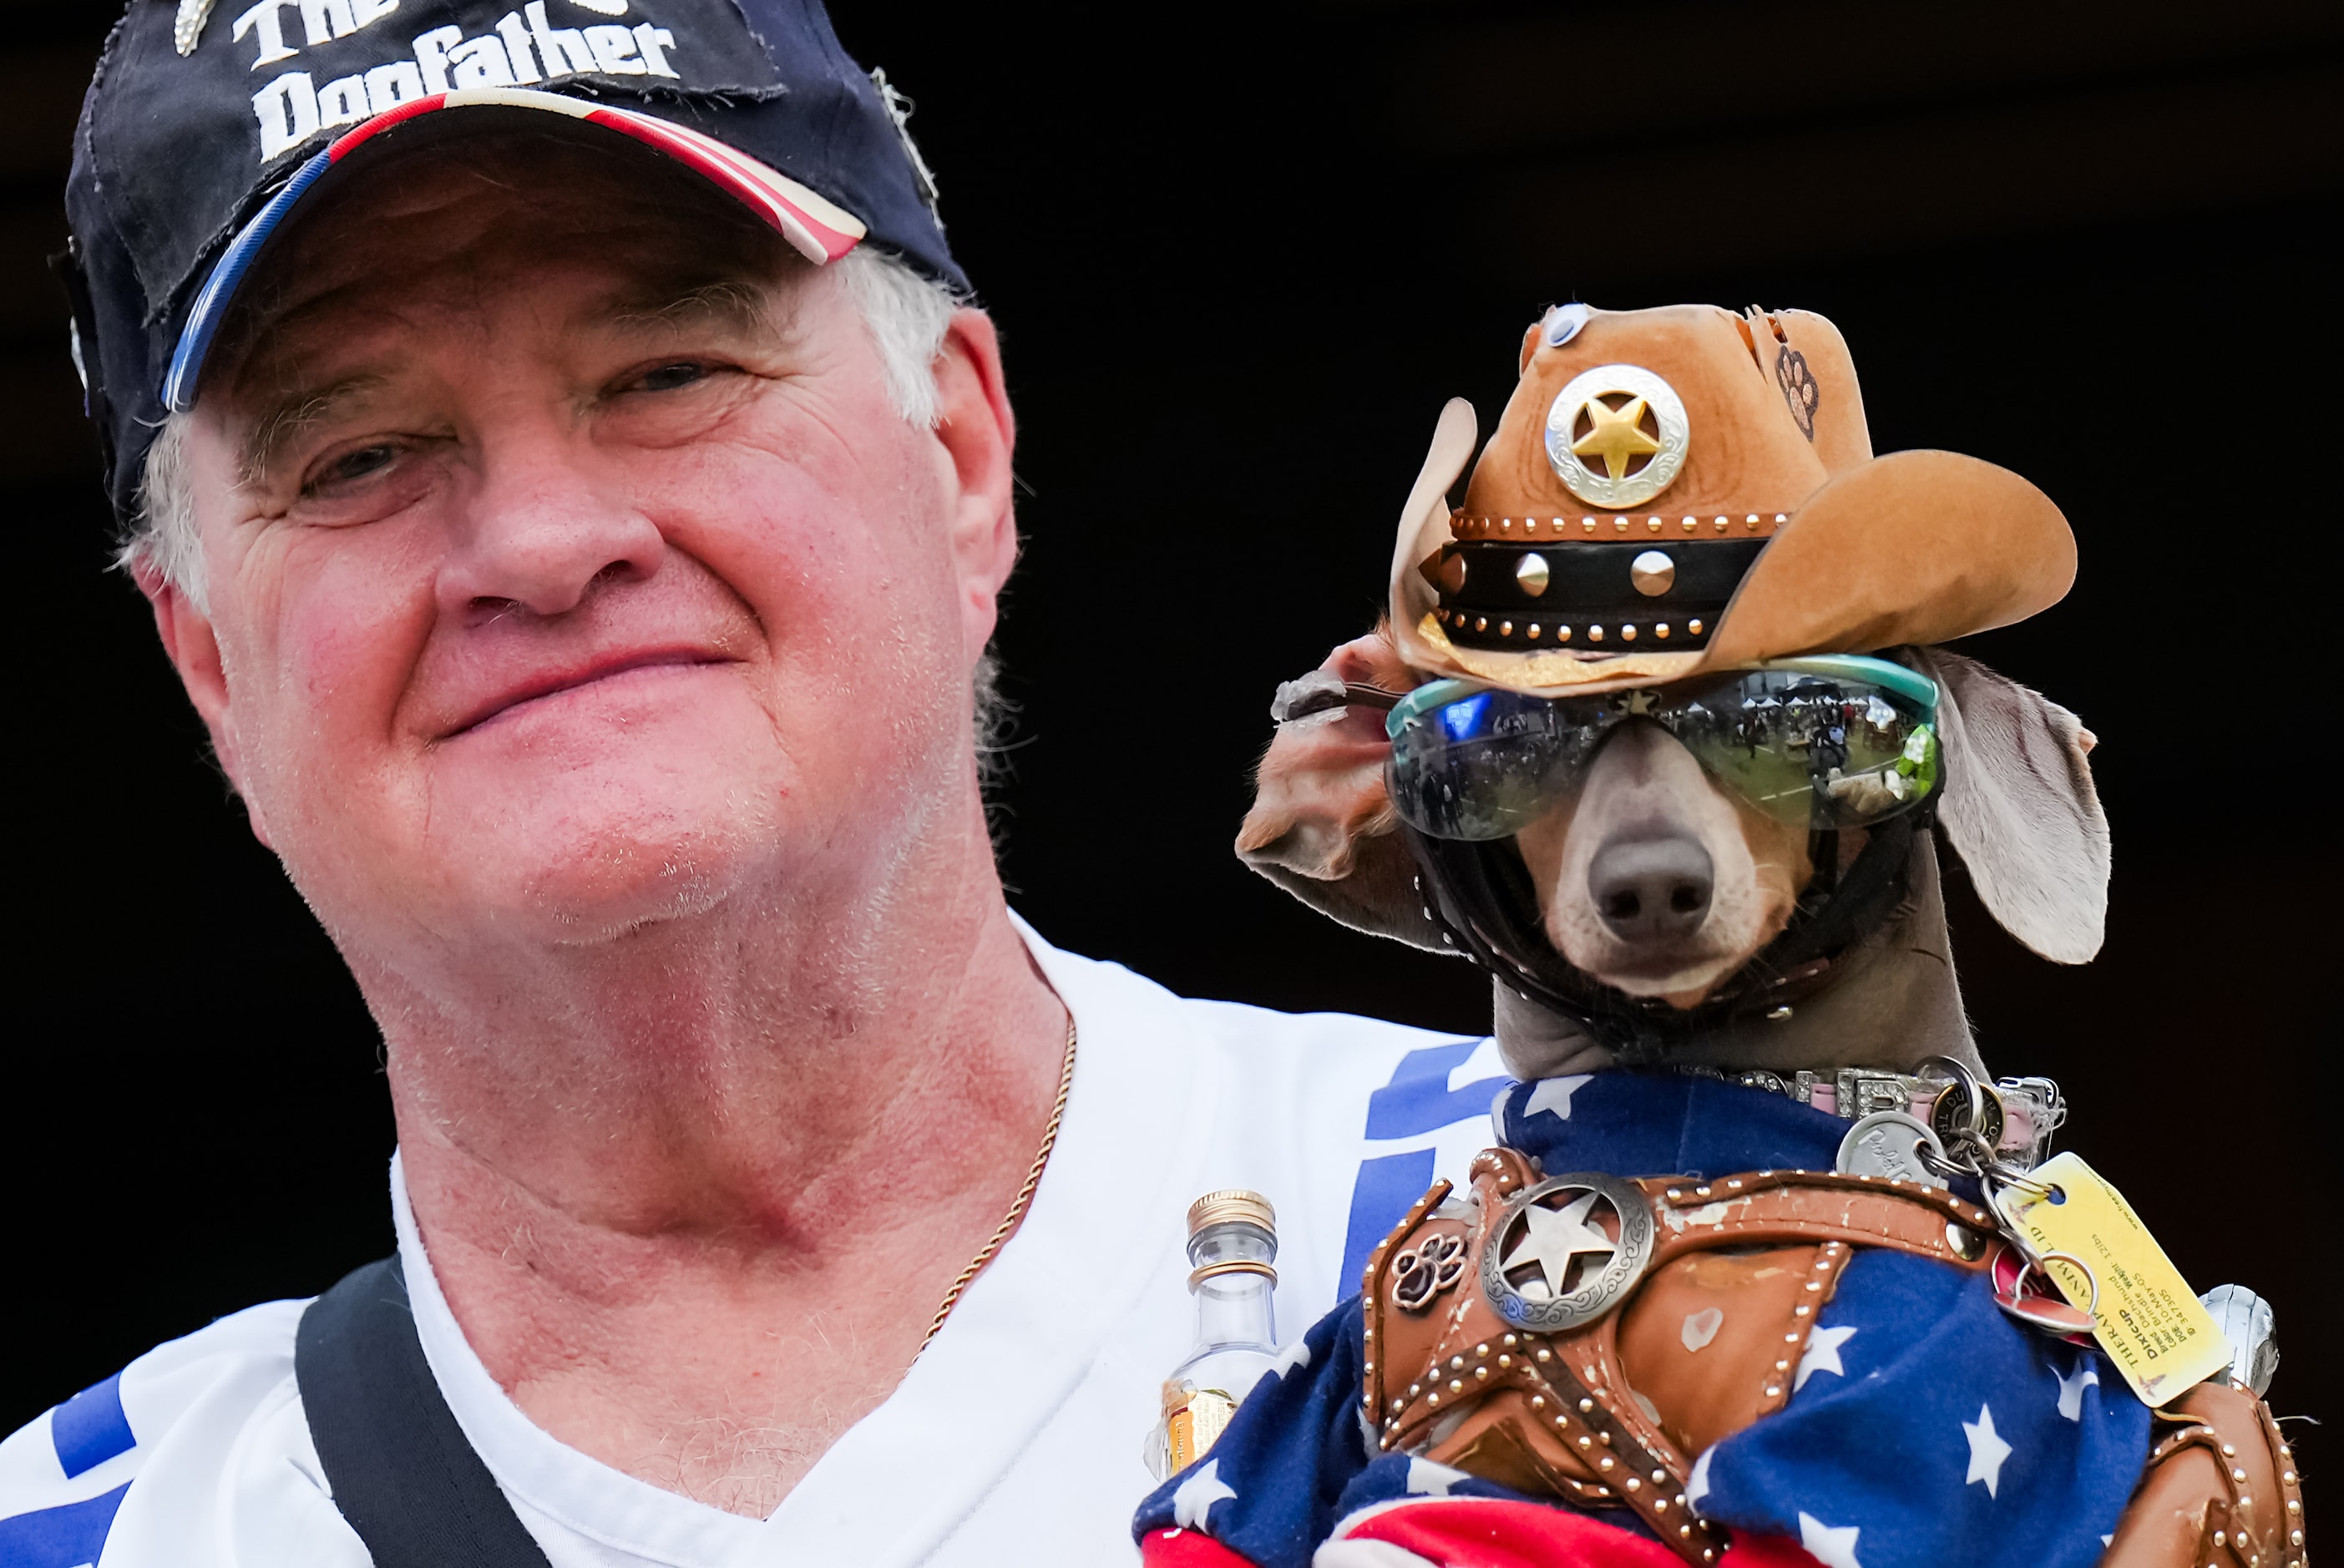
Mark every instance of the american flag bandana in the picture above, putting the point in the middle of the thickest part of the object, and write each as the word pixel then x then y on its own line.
pixel 1925 1427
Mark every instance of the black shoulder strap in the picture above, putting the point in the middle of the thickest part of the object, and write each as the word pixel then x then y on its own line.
pixel 401 1470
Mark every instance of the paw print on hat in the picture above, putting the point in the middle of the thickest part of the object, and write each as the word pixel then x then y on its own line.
pixel 1800 389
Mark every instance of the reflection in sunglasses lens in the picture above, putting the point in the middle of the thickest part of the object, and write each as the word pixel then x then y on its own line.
pixel 1830 753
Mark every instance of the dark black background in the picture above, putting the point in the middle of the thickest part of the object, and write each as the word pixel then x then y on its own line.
pixel 1240 254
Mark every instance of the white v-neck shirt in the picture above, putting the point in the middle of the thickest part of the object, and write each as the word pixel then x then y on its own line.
pixel 1015 1438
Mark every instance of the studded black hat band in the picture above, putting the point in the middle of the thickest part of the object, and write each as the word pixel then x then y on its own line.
pixel 1521 597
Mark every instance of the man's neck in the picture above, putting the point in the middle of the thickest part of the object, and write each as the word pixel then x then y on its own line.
pixel 714 1177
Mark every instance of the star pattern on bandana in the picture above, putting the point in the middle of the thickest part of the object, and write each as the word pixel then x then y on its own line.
pixel 1896 1459
pixel 1697 1483
pixel 1195 1496
pixel 1821 1355
pixel 1427 1479
pixel 1987 1450
pixel 1553 1095
pixel 1297 1354
pixel 2072 1386
pixel 1831 1548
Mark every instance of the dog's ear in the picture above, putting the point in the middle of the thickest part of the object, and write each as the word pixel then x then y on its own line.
pixel 2019 807
pixel 1321 825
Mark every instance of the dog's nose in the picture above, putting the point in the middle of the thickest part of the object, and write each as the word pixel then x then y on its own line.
pixel 1650 889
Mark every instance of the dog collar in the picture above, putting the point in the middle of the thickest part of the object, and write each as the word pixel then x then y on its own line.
pixel 2029 1109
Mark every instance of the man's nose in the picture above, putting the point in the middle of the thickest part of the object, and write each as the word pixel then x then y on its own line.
pixel 1652 888
pixel 541 531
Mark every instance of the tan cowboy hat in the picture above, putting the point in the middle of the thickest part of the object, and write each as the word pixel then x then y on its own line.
pixel 1685 489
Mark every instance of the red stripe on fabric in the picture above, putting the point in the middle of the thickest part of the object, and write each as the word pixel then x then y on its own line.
pixel 382 122
pixel 1187 1549
pixel 1768 1552
pixel 716 161
pixel 1497 1532
pixel 834 242
pixel 712 158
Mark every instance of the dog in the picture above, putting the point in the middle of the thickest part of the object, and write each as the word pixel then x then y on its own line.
pixel 2019 806
pixel 1682 1310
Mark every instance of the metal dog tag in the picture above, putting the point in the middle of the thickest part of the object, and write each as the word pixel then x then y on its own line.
pixel 1968 1111
pixel 1888 1145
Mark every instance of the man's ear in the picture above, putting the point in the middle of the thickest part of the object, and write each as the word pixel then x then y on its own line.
pixel 2019 807
pixel 192 648
pixel 1321 825
pixel 977 432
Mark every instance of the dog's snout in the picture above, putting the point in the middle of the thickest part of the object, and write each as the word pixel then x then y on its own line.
pixel 1651 889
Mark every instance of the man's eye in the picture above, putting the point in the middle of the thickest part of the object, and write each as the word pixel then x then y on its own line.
pixel 355 465
pixel 668 378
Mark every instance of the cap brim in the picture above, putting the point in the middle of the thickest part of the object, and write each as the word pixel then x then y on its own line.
pixel 817 228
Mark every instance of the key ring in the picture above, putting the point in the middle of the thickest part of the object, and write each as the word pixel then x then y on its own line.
pixel 1971 1087
pixel 2044 1306
pixel 1946 1164
pixel 2001 1173
pixel 2036 1266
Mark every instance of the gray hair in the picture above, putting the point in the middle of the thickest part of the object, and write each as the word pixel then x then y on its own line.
pixel 906 315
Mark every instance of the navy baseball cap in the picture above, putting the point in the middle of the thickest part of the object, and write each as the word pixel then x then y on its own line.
pixel 205 128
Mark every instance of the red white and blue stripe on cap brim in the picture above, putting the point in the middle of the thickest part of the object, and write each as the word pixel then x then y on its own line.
pixel 816 228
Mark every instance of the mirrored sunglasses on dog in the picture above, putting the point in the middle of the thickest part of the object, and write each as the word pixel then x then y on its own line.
pixel 1829 742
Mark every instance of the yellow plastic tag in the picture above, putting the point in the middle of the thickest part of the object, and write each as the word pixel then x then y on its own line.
pixel 2149 1322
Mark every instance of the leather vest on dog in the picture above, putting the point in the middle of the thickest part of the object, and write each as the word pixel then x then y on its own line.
pixel 1602 1393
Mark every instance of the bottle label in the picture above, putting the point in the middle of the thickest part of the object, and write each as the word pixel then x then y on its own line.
pixel 1195 1424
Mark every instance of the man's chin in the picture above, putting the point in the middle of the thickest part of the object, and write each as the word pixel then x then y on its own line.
pixel 563 888
pixel 591 911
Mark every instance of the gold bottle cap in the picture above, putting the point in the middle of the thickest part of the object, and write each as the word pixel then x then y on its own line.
pixel 1232 1203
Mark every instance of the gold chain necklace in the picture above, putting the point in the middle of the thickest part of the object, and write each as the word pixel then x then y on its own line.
pixel 1024 1194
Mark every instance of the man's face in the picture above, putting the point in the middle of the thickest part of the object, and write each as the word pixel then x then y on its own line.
pixel 570 568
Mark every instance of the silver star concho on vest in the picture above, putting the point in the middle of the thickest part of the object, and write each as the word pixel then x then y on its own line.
pixel 1567 1252
pixel 1596 442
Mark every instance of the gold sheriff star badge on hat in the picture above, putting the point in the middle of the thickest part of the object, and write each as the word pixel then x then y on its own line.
pixel 1616 437
pixel 1601 465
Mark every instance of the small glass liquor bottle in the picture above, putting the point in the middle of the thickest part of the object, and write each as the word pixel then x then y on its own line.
pixel 1232 1242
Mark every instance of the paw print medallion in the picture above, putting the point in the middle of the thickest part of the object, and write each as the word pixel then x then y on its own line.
pixel 1426 1269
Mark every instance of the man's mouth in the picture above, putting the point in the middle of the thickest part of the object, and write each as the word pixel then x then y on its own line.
pixel 511 701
